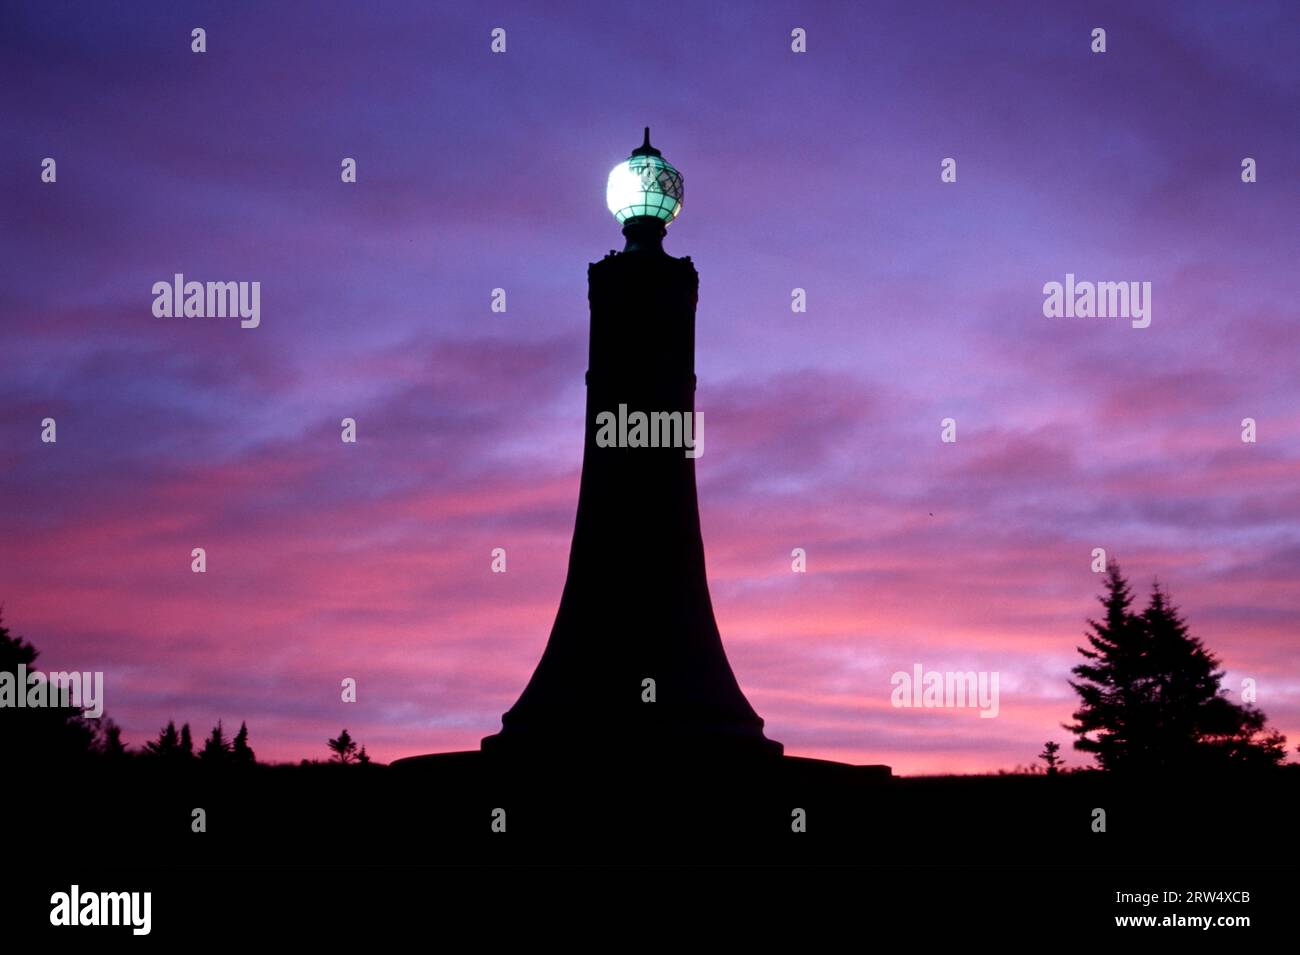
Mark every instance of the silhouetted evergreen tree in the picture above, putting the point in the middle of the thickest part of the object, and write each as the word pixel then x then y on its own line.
pixel 187 743
pixel 36 733
pixel 363 757
pixel 344 748
pixel 240 752
pixel 1049 756
pixel 1107 682
pixel 1190 703
pixel 1150 698
pixel 216 749
pixel 167 745
pixel 111 745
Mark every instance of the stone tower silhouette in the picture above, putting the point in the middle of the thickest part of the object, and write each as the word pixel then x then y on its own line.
pixel 636 605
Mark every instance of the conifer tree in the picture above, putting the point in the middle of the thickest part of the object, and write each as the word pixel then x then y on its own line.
pixel 1150 695
pixel 1110 681
pixel 216 749
pixel 167 745
pixel 240 751
pixel 36 733
pixel 1050 756
pixel 111 745
pixel 344 748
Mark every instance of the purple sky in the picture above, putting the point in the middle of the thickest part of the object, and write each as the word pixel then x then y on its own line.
pixel 478 171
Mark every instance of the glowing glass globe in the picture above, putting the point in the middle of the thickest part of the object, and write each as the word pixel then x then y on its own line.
pixel 644 184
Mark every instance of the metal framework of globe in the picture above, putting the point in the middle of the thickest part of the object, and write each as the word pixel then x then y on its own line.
pixel 645 186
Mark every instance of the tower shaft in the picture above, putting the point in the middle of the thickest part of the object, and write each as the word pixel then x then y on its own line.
pixel 636 601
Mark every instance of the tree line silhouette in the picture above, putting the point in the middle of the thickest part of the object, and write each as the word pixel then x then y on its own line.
pixel 216 750
pixel 61 734
pixel 1150 701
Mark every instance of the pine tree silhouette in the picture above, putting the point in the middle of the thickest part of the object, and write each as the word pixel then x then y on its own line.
pixel 363 757
pixel 1190 704
pixel 240 753
pixel 1150 697
pixel 187 743
pixel 1107 684
pixel 345 748
pixel 36 734
pixel 1049 756
pixel 167 745
pixel 216 749
pixel 111 745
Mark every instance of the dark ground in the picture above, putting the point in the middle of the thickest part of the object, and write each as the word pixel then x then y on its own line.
pixel 440 810
pixel 957 838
